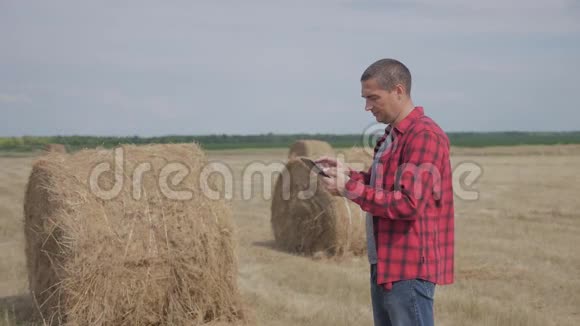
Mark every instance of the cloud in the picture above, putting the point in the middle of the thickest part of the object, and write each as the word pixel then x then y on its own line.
pixel 259 66
pixel 516 17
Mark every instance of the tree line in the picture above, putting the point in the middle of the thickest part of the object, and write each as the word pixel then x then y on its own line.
pixel 270 140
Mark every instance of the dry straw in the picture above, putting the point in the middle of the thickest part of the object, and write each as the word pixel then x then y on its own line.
pixel 310 148
pixel 310 222
pixel 523 150
pixel 358 158
pixel 152 261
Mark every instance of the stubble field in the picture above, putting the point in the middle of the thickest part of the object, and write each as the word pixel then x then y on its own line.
pixel 517 261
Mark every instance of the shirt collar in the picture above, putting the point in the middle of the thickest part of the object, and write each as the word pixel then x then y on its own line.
pixel 415 114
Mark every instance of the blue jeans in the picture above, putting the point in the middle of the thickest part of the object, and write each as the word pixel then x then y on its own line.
pixel 408 303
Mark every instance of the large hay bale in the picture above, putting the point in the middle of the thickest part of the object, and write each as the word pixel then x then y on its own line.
pixel 310 148
pixel 56 148
pixel 143 257
pixel 307 219
pixel 358 158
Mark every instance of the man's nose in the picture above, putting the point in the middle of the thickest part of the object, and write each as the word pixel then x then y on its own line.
pixel 368 106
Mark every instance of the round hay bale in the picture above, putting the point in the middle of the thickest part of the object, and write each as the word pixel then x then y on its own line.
pixel 56 148
pixel 142 256
pixel 310 148
pixel 357 158
pixel 307 219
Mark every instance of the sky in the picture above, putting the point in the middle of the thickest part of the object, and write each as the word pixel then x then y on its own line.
pixel 151 68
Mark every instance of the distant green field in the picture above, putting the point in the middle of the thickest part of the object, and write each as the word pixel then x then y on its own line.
pixel 462 139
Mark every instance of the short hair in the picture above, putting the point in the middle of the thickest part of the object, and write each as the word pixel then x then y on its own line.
pixel 389 73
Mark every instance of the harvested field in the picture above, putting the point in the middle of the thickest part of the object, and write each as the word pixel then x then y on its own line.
pixel 516 257
pixel 57 148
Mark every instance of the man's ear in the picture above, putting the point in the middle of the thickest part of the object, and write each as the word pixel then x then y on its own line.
pixel 400 89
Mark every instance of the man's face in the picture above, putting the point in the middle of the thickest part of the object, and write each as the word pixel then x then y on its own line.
pixel 383 104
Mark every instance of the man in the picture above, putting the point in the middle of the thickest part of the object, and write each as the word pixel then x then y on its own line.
pixel 408 197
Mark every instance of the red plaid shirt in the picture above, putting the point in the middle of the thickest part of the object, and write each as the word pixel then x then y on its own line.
pixel 412 203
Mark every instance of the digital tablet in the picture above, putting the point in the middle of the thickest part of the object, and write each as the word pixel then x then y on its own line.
pixel 314 167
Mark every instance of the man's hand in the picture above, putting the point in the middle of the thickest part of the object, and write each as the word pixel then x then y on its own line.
pixel 333 186
pixel 333 167
pixel 328 162
pixel 338 173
